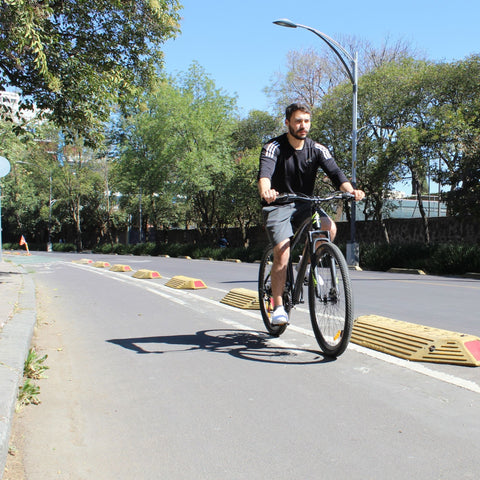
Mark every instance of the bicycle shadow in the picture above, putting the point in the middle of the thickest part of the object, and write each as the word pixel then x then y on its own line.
pixel 246 345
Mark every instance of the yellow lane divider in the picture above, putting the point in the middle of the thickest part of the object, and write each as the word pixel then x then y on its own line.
pixel 416 342
pixel 242 298
pixel 146 274
pixel 83 261
pixel 120 268
pixel 100 264
pixel 180 281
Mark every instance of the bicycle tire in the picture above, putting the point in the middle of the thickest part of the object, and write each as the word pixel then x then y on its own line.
pixel 265 293
pixel 330 304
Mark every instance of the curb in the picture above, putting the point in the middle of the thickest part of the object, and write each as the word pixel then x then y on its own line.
pixel 473 275
pixel 412 271
pixel 15 340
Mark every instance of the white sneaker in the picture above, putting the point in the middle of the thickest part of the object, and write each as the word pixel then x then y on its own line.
pixel 279 317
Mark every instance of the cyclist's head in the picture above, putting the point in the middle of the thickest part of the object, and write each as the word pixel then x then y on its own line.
pixel 294 107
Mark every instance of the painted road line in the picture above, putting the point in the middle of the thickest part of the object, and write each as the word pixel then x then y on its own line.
pixel 171 294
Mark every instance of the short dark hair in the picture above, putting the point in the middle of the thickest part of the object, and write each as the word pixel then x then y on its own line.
pixel 294 107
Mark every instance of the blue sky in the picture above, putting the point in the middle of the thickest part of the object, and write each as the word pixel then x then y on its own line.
pixel 241 49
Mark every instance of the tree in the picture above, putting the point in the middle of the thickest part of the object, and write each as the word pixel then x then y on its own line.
pixel 256 129
pixel 26 189
pixel 74 60
pixel 240 201
pixel 455 131
pixel 463 200
pixel 308 77
pixel 146 158
pixel 311 74
pixel 180 146
pixel 76 185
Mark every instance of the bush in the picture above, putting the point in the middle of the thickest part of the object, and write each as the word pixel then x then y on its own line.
pixel 454 259
pixel 64 247
pixel 438 259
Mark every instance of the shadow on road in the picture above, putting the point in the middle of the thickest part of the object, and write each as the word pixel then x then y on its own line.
pixel 247 345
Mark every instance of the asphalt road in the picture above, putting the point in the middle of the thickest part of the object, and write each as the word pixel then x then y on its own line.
pixel 150 382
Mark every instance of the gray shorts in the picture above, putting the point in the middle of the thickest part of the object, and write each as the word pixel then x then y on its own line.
pixel 281 221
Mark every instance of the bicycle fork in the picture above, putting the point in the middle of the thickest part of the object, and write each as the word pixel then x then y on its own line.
pixel 318 237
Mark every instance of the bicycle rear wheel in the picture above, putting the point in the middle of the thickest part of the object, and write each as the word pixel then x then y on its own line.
pixel 330 300
pixel 265 293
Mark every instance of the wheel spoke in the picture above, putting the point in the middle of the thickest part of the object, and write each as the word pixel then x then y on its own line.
pixel 330 300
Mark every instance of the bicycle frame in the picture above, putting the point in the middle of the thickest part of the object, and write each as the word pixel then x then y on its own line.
pixel 315 236
pixel 329 287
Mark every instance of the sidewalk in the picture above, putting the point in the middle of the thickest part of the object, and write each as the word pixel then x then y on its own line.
pixel 17 321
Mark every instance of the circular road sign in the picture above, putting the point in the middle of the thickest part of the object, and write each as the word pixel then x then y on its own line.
pixel 4 167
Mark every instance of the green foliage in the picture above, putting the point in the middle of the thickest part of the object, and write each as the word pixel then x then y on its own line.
pixel 256 129
pixel 28 394
pixel 434 259
pixel 177 151
pixel 182 158
pixel 183 250
pixel 438 259
pixel 416 119
pixel 64 247
pixel 34 367
pixel 76 59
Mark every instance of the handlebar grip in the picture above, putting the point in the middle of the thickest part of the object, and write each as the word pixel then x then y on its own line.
pixel 286 197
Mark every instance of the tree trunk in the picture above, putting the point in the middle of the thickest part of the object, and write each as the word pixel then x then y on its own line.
pixel 418 189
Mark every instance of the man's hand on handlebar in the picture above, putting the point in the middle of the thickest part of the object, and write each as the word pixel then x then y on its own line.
pixel 358 194
pixel 270 195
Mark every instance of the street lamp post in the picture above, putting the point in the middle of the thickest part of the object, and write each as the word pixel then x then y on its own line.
pixel 350 63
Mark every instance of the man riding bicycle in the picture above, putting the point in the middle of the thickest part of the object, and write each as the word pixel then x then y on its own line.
pixel 289 164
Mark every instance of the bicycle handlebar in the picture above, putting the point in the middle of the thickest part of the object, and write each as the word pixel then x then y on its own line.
pixel 290 197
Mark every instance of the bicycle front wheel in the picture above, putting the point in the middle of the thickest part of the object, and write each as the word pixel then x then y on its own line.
pixel 330 300
pixel 265 296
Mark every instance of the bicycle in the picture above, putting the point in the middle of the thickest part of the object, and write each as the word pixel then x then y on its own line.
pixel 329 288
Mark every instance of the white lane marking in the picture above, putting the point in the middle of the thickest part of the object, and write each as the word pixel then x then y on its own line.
pixel 173 295
pixel 418 368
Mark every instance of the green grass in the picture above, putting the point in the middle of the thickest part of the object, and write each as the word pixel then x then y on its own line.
pixel 34 369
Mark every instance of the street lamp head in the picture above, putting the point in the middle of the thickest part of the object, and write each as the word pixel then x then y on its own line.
pixel 285 22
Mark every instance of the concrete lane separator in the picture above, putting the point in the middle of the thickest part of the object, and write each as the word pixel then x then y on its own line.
pixel 146 274
pixel 120 268
pixel 100 264
pixel 242 298
pixel 83 261
pixel 416 342
pixel 180 281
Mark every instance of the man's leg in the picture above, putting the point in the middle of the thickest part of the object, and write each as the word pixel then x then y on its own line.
pixel 281 254
pixel 329 225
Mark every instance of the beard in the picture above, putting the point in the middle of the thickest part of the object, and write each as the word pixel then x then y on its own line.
pixel 300 134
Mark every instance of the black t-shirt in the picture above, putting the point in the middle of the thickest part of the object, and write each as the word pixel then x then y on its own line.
pixel 294 171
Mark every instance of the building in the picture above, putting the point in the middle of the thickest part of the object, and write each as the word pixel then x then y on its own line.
pixel 10 108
